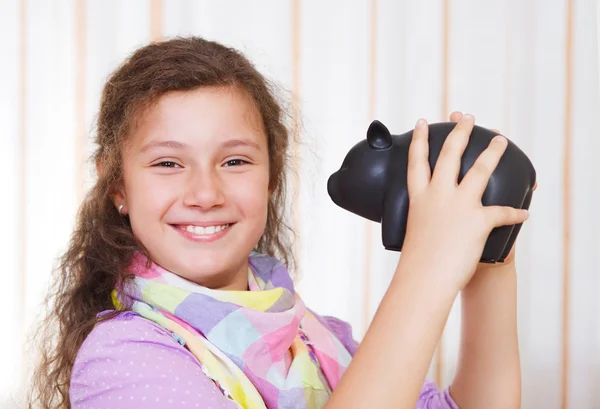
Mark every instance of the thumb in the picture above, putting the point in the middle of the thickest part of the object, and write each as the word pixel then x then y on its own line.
pixel 506 215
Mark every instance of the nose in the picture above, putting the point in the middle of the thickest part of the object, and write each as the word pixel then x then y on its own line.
pixel 204 189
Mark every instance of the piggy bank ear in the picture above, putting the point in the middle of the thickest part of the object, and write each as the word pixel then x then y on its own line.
pixel 378 136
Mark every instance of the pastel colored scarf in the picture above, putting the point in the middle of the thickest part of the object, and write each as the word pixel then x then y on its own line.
pixel 263 348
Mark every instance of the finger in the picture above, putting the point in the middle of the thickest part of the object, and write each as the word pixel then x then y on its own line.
pixel 505 215
pixel 448 163
pixel 496 131
pixel 455 116
pixel 418 172
pixel 535 186
pixel 477 178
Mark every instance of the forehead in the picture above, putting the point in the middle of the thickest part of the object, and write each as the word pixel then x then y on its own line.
pixel 201 115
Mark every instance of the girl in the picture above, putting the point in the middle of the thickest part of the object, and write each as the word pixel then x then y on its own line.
pixel 174 292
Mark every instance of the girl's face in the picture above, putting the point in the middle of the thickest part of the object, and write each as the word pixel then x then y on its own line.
pixel 196 184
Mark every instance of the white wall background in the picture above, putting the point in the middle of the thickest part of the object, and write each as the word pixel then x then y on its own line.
pixel 527 67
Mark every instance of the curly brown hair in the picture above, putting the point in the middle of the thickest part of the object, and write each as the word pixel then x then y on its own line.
pixel 102 242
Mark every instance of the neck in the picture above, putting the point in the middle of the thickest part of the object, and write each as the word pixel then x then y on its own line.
pixel 235 280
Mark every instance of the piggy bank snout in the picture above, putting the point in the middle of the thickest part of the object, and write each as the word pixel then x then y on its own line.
pixel 333 188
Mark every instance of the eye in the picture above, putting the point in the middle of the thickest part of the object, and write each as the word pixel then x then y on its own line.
pixel 235 162
pixel 167 164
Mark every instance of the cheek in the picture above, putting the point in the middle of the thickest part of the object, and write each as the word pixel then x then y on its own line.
pixel 148 195
pixel 252 196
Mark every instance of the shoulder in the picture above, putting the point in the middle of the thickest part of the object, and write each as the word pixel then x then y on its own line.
pixel 432 397
pixel 131 360
pixel 125 326
pixel 130 336
pixel 341 329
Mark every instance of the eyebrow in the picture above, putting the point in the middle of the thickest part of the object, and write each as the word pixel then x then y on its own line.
pixel 163 144
pixel 231 143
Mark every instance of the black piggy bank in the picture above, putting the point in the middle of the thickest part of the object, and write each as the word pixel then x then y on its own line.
pixel 372 182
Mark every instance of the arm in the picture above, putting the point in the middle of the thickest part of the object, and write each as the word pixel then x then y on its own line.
pixel 489 373
pixel 431 397
pixel 393 357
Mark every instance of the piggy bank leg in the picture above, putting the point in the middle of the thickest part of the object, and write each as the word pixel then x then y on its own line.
pixel 495 244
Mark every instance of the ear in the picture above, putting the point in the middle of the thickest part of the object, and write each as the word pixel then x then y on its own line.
pixel 119 198
pixel 117 195
pixel 378 136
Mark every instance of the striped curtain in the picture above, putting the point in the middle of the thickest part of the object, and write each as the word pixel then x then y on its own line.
pixel 529 68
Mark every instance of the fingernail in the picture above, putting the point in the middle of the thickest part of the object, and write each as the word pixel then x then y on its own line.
pixel 499 139
pixel 420 122
pixel 467 117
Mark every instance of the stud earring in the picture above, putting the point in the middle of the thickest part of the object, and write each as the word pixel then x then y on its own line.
pixel 120 208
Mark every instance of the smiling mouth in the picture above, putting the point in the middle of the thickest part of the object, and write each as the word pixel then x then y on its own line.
pixel 203 230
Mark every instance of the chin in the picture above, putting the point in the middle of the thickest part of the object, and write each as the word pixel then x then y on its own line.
pixel 209 266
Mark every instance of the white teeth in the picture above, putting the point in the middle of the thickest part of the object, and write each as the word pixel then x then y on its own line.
pixel 203 231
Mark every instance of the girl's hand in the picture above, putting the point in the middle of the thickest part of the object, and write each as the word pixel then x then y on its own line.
pixel 447 225
pixel 510 259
